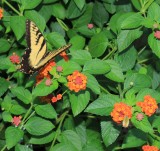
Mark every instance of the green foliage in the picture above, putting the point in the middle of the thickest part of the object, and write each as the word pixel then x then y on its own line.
pixel 113 58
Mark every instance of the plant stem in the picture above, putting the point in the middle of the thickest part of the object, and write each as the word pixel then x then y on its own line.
pixel 141 50
pixel 109 54
pixel 155 136
pixel 29 116
pixel 12 8
pixel 142 61
pixel 62 24
pixel 62 117
pixel 120 91
pixel 26 115
pixel 4 148
pixel 103 89
pixel 64 92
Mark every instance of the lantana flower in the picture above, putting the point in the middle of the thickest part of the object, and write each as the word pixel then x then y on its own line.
pixel 157 34
pixel 1 13
pixel 15 58
pixel 140 116
pixel 120 112
pixel 149 148
pixel 44 73
pixel 16 120
pixel 48 82
pixel 90 26
pixel 59 68
pixel 56 98
pixel 77 81
pixel 148 106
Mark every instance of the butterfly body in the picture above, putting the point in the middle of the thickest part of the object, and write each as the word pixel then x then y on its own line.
pixel 36 55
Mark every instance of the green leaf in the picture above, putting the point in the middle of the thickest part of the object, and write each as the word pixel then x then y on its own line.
pixel 6 116
pixel 23 94
pixel 132 21
pixel 79 101
pixel 134 138
pixel 46 111
pixel 73 11
pixel 103 105
pixel 44 139
pixel 56 39
pixel 46 12
pixel 138 81
pixel 84 30
pixel 80 3
pixel 4 45
pixel 19 147
pixel 100 15
pixel 10 133
pixel 64 146
pixel 7 103
pixel 78 42
pixel 94 142
pixel 92 83
pixel 69 67
pixel 43 90
pixel 110 7
pixel 4 84
pixel 5 63
pixel 143 125
pixel 96 66
pixel 115 73
pixel 38 126
pixel 136 4
pixel 155 123
pixel 18 21
pixel 58 11
pixel 147 91
pixel 85 18
pixel 127 59
pixel 153 12
pixel 115 22
pixel 109 132
pixel 126 37
pixel 98 44
pixel 154 44
pixel 49 1
pixel 148 22
pixel 71 137
pixel 81 56
pixel 36 18
pixel 17 109
pixel 29 4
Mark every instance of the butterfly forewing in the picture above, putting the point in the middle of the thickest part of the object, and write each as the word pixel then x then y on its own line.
pixel 37 44
pixel 51 55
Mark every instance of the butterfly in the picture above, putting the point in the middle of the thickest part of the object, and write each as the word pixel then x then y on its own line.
pixel 36 55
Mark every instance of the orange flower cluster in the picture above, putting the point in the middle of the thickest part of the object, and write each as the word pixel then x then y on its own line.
pixel 148 106
pixel 64 55
pixel 120 112
pixel 56 98
pixel 14 58
pixel 45 72
pixel 149 148
pixel 16 120
pixel 1 13
pixel 77 81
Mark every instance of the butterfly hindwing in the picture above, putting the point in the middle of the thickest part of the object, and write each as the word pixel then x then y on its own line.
pixel 36 55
